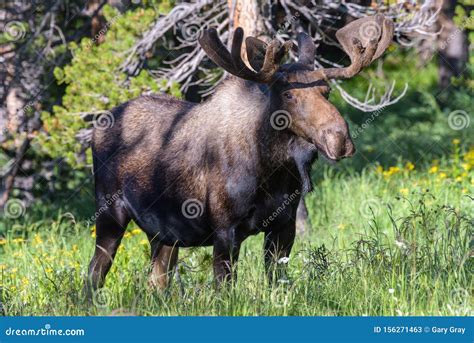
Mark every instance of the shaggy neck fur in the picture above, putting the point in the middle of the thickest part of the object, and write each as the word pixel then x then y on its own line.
pixel 240 112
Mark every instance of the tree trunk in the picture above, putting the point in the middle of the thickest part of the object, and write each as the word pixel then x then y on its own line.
pixel 453 46
pixel 246 14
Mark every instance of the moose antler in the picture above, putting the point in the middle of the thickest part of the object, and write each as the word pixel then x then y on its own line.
pixel 364 40
pixel 232 61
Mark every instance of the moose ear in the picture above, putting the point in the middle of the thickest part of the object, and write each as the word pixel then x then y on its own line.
pixel 256 50
pixel 306 50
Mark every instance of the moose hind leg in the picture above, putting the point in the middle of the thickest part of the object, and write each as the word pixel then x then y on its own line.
pixel 110 227
pixel 163 262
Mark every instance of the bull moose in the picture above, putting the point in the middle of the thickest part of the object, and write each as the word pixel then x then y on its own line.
pixel 211 173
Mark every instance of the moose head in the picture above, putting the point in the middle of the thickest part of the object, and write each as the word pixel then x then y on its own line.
pixel 298 89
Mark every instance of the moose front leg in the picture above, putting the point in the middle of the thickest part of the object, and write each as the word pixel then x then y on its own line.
pixel 163 262
pixel 225 254
pixel 277 246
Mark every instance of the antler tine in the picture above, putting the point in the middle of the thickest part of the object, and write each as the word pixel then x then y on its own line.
pixel 233 63
pixel 237 49
pixel 270 62
pixel 364 40
pixel 216 51
pixel 387 34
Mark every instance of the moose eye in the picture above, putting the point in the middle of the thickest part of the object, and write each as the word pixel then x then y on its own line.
pixel 288 95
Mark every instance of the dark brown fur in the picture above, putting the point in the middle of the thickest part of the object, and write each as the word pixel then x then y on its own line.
pixel 224 155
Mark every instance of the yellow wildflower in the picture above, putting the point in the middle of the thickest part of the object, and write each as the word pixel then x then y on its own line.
pixel 459 179
pixel 379 169
pixel 136 231
pixel 391 171
pixel 25 281
pixel 409 166
pixel 404 191
pixel 466 166
pixel 144 242
pixel 456 141
pixel 37 240
pixel 127 235
pixel 18 240
pixel 433 169
pixel 74 248
pixel 469 157
pixel 442 175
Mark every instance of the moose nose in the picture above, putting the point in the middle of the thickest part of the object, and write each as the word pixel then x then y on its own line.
pixel 338 144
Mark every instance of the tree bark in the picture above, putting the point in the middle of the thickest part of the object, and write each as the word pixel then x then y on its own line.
pixel 453 46
pixel 246 14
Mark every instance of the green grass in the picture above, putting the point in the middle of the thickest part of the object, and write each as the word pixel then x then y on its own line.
pixel 383 242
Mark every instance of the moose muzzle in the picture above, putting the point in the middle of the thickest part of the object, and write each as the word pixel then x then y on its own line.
pixel 336 143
